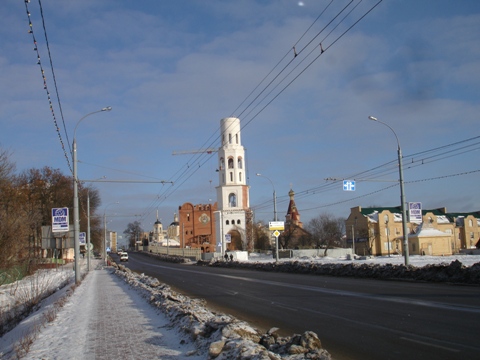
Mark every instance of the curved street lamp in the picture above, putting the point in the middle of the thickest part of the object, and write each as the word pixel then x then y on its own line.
pixel 76 218
pixel 402 191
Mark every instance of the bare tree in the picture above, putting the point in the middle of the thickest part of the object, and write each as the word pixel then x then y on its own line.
pixel 261 236
pixel 133 232
pixel 326 231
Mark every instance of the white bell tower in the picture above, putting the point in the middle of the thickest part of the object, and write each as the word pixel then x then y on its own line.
pixel 232 191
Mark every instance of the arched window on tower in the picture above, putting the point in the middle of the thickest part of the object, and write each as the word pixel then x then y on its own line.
pixel 230 163
pixel 229 138
pixel 239 163
pixel 232 200
pixel 238 222
pixel 236 139
pixel 222 163
pixel 227 222
pixel 240 176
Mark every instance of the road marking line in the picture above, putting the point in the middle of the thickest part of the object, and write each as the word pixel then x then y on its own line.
pixel 430 344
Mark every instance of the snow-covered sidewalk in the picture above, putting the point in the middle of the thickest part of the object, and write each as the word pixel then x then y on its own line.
pixel 104 319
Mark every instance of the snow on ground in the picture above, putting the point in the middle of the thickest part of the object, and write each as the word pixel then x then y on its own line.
pixel 414 260
pixel 55 280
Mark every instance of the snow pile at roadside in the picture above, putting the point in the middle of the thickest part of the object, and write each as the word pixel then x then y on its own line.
pixel 426 269
pixel 222 336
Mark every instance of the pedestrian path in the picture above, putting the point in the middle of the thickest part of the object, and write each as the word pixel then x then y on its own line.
pixel 106 319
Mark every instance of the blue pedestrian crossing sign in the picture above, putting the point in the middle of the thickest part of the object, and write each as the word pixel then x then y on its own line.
pixel 348 185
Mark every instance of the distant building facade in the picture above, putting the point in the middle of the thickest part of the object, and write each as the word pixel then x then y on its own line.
pixel 378 231
pixel 196 226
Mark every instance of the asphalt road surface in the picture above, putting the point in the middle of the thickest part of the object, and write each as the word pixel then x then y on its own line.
pixel 354 318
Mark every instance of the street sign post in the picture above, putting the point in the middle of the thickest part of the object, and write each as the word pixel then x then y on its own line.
pixel 276 225
pixel 59 219
pixel 82 238
pixel 348 185
pixel 415 212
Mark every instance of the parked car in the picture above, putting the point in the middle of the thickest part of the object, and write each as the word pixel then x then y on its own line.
pixel 124 256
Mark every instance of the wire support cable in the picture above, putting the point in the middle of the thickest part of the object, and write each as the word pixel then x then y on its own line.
pixel 45 86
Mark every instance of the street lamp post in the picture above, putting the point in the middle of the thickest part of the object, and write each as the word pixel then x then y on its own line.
pixel 274 212
pixel 402 191
pixel 87 250
pixel 76 218
pixel 353 236
pixel 105 230
pixel 388 234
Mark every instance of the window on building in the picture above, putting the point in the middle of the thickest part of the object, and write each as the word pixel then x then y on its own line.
pixel 238 222
pixel 236 138
pixel 231 176
pixel 188 217
pixel 227 222
pixel 470 223
pixel 239 176
pixel 471 235
pixel 230 163
pixel 222 163
pixel 239 163
pixel 229 138
pixel 232 200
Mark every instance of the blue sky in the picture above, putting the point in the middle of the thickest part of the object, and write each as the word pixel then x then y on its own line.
pixel 172 69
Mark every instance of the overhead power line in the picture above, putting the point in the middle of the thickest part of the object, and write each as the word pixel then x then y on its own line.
pixel 45 85
pixel 198 160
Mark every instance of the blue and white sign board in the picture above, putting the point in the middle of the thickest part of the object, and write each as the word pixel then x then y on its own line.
pixel 82 238
pixel 59 219
pixel 415 212
pixel 348 185
pixel 228 238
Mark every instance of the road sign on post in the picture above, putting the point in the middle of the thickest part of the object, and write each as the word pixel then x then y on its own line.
pixel 415 212
pixel 82 238
pixel 276 225
pixel 348 185
pixel 59 219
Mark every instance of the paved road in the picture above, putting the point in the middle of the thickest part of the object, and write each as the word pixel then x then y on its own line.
pixel 354 318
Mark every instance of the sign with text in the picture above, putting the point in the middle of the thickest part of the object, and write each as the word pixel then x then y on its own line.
pixel 82 238
pixel 276 225
pixel 228 238
pixel 415 212
pixel 59 219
